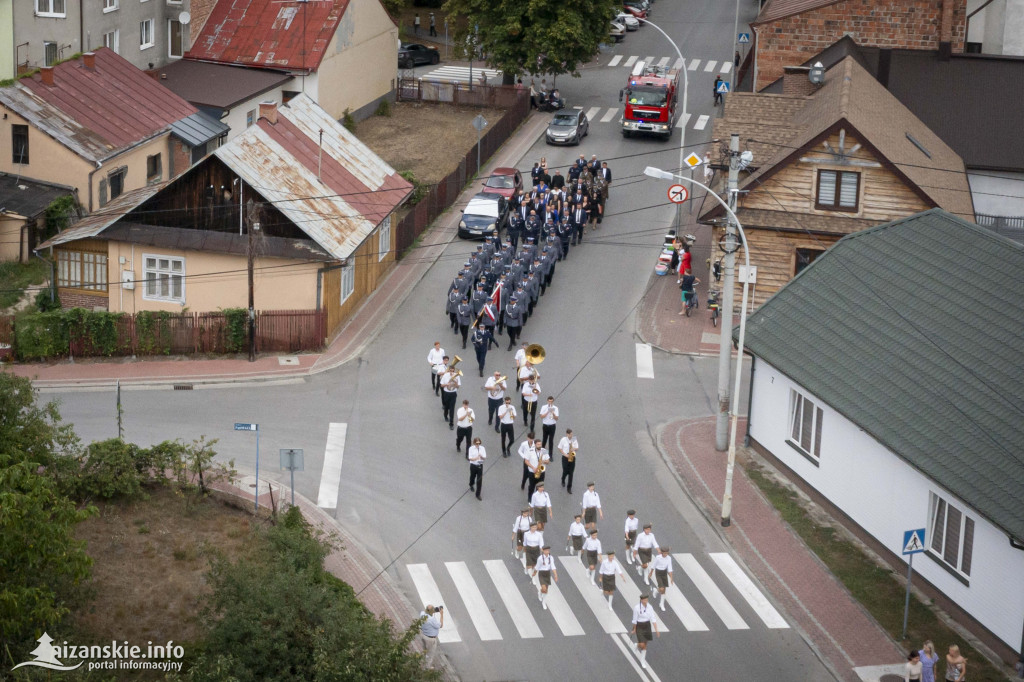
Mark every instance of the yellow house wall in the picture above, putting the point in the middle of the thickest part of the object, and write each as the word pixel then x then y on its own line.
pixel 11 247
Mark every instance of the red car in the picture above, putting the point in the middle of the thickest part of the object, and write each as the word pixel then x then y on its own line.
pixel 635 11
pixel 504 181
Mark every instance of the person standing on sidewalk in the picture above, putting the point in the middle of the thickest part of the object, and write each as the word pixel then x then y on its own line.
pixel 577 534
pixel 662 569
pixel 630 530
pixel 928 660
pixel 430 628
pixel 507 418
pixel 540 504
pixel 477 454
pixel 519 528
pixel 568 446
pixel 435 357
pixel 645 544
pixel 912 670
pixel 465 417
pixel 591 551
pixel 643 619
pixel 956 665
pixel 450 382
pixel 609 567
pixel 591 506
pixel 416 24
pixel 433 25
pixel 495 387
pixel 718 95
pixel 544 572
pixel 686 284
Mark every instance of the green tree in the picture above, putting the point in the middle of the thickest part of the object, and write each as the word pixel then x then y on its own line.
pixel 536 36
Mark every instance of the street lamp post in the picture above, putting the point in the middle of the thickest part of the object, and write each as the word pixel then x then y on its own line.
pixel 734 398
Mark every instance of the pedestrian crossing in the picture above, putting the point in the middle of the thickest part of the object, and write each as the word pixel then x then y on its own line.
pixel 459 73
pixel 721 68
pixel 613 114
pixel 495 592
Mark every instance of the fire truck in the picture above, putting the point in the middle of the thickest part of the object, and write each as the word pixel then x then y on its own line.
pixel 650 96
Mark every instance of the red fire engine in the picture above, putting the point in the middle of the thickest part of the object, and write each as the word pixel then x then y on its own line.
pixel 650 97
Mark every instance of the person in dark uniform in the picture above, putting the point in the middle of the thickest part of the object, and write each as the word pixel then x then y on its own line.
pixel 565 231
pixel 513 321
pixel 480 297
pixel 578 219
pixel 515 224
pixel 606 175
pixel 452 306
pixel 482 341
pixel 464 316
pixel 536 173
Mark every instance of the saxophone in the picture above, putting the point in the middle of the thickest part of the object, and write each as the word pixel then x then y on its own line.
pixel 540 471
pixel 572 454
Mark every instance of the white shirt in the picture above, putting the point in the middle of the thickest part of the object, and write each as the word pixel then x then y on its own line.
pixel 530 391
pixel 591 499
pixel 592 545
pixel 525 372
pixel 610 567
pixel 526 450
pixel 662 563
pixel 549 414
pixel 465 417
pixel 644 614
pixel 522 522
pixel 576 529
pixel 533 538
pixel 507 414
pixel 450 377
pixel 567 444
pixel 540 499
pixel 435 356
pixel 631 524
pixel 545 562
pixel 520 357
pixel 439 368
pixel 477 454
pixel 646 541
pixel 495 389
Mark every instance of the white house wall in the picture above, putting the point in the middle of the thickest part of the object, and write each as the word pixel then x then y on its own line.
pixel 886 496
pixel 236 118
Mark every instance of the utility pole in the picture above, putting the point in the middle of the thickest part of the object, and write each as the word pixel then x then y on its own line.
pixel 729 268
pixel 251 252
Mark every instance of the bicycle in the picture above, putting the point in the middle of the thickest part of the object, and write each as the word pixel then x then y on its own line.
pixel 691 301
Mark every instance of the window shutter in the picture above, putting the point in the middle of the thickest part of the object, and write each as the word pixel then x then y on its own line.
pixel 103 192
pixel 965 564
pixel 951 548
pixel 938 525
pixel 827 188
pixel 848 189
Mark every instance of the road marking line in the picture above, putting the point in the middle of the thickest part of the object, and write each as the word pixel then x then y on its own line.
pixel 710 66
pixel 557 605
pixel 630 62
pixel 592 112
pixel 513 599
pixel 430 594
pixel 649 61
pixel 678 64
pixel 745 586
pixel 663 61
pixel 610 115
pixel 710 592
pixel 684 610
pixel 726 67
pixel 693 65
pixel 592 595
pixel 615 60
pixel 629 647
pixel 626 649
pixel 644 361
pixel 683 120
pixel 631 593
pixel 701 122
pixel 474 601
pixel 330 476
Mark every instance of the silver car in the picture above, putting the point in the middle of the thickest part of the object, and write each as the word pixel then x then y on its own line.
pixel 568 127
pixel 628 20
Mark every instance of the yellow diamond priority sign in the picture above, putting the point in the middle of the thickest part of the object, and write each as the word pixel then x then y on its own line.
pixel 693 160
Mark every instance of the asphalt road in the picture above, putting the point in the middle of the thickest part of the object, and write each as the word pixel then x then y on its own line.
pixel 403 489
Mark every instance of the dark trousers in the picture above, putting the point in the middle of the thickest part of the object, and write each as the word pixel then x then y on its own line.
pixel 464 432
pixel 513 336
pixel 454 322
pixel 476 477
pixel 433 31
pixel 448 405
pixel 547 277
pixel 435 382
pixel 492 411
pixel 507 430
pixel 578 237
pixel 527 475
pixel 529 413
pixel 533 484
pixel 548 436
pixel 565 247
pixel 481 358
pixel 568 469
pixel 501 322
pixel 464 328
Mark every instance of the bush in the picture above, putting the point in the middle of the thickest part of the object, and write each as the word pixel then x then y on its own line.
pixel 153 331
pixel 419 190
pixel 38 336
pixel 348 121
pixel 384 108
pixel 237 338
pixel 44 303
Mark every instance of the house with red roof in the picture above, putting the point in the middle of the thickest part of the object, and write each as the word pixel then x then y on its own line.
pixel 101 126
pixel 342 53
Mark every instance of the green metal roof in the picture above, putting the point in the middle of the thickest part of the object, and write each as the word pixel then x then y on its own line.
pixel 914 331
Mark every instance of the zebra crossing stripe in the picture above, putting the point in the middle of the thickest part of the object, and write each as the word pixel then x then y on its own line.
pixel 513 599
pixel 726 67
pixel 628 644
pixel 558 607
pixel 474 601
pixel 691 621
pixel 701 122
pixel 430 594
pixel 710 66
pixel 630 62
pixel 678 64
pixel 730 617
pixel 683 120
pixel 745 586
pixel 631 593
pixel 334 455
pixel 693 65
pixel 663 61
pixel 615 60
pixel 592 595
pixel 649 60
pixel 610 115
pixel 458 73
pixel 592 112
pixel 626 647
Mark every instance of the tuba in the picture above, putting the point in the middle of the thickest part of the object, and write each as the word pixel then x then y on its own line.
pixel 534 353
pixel 454 362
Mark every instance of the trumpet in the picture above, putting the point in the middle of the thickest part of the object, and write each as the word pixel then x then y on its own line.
pixel 540 471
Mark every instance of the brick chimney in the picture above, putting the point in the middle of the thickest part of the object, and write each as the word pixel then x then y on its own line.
pixel 46 75
pixel 946 30
pixel 268 110
pixel 89 60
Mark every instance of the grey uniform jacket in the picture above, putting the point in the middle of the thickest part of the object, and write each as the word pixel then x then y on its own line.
pixel 514 315
pixel 454 298
pixel 464 313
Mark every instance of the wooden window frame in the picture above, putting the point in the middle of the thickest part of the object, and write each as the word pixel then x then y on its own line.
pixel 82 270
pixel 21 159
pixel 347 274
pixel 384 239
pixel 837 186
pixel 151 176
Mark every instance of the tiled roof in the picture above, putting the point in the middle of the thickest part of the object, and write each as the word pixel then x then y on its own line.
pixel 97 112
pixel 780 9
pixel 284 35
pixel 929 369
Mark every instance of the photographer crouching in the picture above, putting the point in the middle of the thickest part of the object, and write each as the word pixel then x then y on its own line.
pixel 430 627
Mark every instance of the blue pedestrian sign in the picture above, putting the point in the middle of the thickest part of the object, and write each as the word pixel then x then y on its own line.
pixel 744 38
pixel 723 87
pixel 246 427
pixel 913 541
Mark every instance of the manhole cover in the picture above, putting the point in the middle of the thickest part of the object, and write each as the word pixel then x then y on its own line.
pixel 288 360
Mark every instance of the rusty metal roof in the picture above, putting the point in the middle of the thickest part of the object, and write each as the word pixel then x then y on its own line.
pixel 100 220
pixel 355 189
pixel 290 35
pixel 98 112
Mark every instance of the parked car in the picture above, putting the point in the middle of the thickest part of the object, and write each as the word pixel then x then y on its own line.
pixel 503 181
pixel 645 5
pixel 568 127
pixel 485 215
pixel 635 11
pixel 411 54
pixel 617 31
pixel 628 20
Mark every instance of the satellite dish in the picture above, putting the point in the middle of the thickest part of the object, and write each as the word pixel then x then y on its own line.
pixel 746 157
pixel 184 18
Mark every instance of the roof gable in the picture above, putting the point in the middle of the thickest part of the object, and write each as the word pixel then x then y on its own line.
pixel 875 327
pixel 780 9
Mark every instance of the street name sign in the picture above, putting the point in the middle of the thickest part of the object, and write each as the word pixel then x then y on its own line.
pixel 246 427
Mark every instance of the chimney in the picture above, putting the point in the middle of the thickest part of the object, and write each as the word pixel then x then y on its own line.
pixel 946 30
pixel 46 75
pixel 268 110
pixel 89 60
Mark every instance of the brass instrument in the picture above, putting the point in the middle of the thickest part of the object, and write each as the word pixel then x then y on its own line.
pixel 454 362
pixel 572 454
pixel 535 353
pixel 540 471
pixel 501 379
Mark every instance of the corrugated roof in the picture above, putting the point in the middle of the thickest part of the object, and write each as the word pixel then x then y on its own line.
pixel 27 197
pixel 932 371
pixel 292 35
pixel 780 9
pixel 97 112
pixel 213 242
pixel 97 221
pixel 356 188
pixel 199 129
pixel 219 86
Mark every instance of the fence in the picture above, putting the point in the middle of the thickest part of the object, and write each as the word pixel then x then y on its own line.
pixel 515 102
pixel 87 334
pixel 1008 226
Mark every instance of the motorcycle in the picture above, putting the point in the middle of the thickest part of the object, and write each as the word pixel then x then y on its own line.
pixel 550 101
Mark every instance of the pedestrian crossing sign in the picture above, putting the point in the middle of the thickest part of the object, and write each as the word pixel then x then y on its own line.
pixel 693 160
pixel 723 87
pixel 913 541
pixel 744 38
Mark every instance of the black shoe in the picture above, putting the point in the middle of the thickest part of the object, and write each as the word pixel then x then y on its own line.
pixel 451 427
pixel 509 347
pixel 479 498
pixel 481 372
pixel 563 484
pixel 463 346
pixel 458 449
pixel 569 490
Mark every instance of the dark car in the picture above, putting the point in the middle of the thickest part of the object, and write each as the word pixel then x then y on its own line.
pixel 411 54
pixel 484 215
pixel 503 181
pixel 568 127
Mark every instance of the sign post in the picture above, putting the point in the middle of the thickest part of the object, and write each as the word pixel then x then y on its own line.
pixel 479 122
pixel 292 461
pixel 913 543
pixel 256 494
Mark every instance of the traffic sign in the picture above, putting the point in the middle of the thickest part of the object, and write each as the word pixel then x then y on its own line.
pixel 723 87
pixel 744 38
pixel 677 194
pixel 246 427
pixel 479 122
pixel 913 541
pixel 693 160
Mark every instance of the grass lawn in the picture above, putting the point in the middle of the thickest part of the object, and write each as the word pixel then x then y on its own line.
pixel 15 278
pixel 872 585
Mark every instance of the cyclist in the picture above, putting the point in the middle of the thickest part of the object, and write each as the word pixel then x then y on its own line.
pixel 688 298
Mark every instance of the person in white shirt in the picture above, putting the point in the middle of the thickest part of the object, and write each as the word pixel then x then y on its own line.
pixel 568 446
pixel 591 550
pixel 435 356
pixel 632 523
pixel 450 382
pixel 577 533
pixel 465 417
pixel 526 450
pixel 520 362
pixel 643 619
pixel 507 417
pixel 530 391
pixel 591 506
pixel 645 544
pixel 519 528
pixel 537 464
pixel 533 540
pixel 609 567
pixel 548 423
pixel 439 369
pixel 476 453
pixel 544 572
pixel 495 387
pixel 540 502
pixel 661 568
pixel 430 628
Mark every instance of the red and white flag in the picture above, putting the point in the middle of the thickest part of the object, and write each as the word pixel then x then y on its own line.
pixel 496 297
pixel 489 311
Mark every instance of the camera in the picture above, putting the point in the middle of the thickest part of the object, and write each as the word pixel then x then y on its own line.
pixel 440 608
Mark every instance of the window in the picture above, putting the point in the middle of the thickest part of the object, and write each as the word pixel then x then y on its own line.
pixel 838 190
pixel 115 182
pixel 348 280
pixel 146 34
pixel 164 279
pixel 805 426
pixel 109 5
pixel 19 144
pixel 384 239
pixel 174 48
pixel 50 8
pixel 952 534
pixel 288 95
pixel 49 53
pixel 250 117
pixel 805 257
pixel 154 168
pixel 82 270
pixel 111 39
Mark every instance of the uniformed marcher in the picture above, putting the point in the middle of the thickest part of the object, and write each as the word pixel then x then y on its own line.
pixel 452 306
pixel 565 231
pixel 513 321
pixel 590 555
pixel 549 422
pixel 476 454
pixel 661 568
pixel 439 370
pixel 495 388
pixel 568 446
pixel 526 451
pixel 538 461
pixel 609 567
pixel 435 356
pixel 533 540
pixel 578 218
pixel 544 573
pixel 530 393
pixel 591 506
pixel 464 315
pixel 482 341
pixel 630 531
pixel 519 528
pixel 540 503
pixel 507 418
pixel 465 417
pixel 577 533
pixel 645 545
pixel 450 382
pixel 643 619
